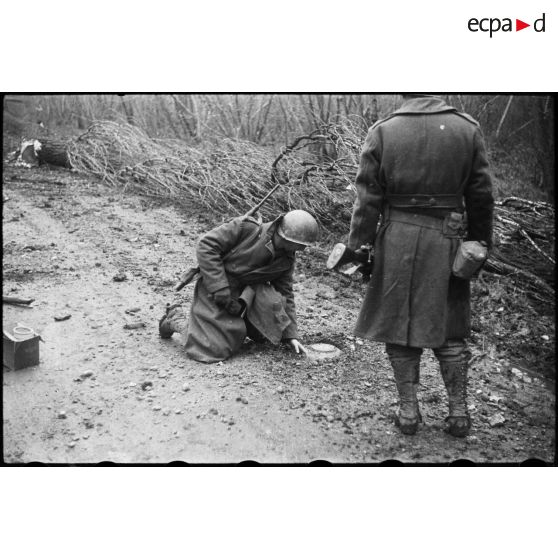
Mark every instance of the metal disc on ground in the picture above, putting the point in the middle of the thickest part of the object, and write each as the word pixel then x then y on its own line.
pixel 323 351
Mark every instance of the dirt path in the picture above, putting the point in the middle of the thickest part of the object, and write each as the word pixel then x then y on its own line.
pixel 66 237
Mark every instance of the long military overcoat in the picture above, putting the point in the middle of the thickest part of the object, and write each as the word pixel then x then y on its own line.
pixel 236 254
pixel 420 164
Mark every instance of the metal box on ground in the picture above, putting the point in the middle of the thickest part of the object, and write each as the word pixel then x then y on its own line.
pixel 20 346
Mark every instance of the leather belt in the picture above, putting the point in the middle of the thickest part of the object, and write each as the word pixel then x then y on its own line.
pixel 432 201
pixel 418 219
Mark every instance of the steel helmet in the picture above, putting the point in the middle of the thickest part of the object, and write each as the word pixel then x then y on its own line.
pixel 298 226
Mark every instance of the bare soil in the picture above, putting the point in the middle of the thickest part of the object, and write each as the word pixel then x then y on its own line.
pixel 65 238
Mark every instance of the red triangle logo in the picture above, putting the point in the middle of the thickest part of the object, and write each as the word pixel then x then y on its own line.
pixel 519 25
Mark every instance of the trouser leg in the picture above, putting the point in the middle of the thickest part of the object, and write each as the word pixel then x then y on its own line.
pixel 405 362
pixel 453 357
pixel 175 320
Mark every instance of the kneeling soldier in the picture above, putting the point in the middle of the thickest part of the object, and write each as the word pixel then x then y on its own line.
pixel 245 287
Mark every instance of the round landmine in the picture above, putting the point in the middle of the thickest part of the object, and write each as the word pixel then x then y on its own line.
pixel 322 352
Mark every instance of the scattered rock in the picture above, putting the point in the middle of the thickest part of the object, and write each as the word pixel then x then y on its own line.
pixel 62 317
pixel 241 399
pixel 132 384
pixel 86 374
pixel 280 389
pixel 146 385
pixel 71 444
pixel 185 387
pixel 231 422
pixel 62 415
pixel 156 407
pixel 166 412
pixel 134 325
pixel 132 310
pixel 326 295
pixel 119 277
pixel 497 420
pixel 545 337
pixel 213 411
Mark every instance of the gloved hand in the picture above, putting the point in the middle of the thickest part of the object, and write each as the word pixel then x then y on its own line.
pixel 366 258
pixel 363 254
pixel 222 297
pixel 235 307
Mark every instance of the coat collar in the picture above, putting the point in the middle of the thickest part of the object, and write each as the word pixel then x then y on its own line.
pixel 269 231
pixel 421 105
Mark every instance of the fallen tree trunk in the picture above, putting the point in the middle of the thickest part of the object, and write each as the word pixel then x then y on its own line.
pixel 53 152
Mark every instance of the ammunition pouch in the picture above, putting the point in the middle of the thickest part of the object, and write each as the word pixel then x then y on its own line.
pixel 454 225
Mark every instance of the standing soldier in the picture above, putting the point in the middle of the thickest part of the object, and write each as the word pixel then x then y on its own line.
pixel 245 286
pixel 424 170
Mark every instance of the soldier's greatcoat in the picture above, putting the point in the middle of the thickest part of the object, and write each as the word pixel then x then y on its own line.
pixel 418 166
pixel 237 254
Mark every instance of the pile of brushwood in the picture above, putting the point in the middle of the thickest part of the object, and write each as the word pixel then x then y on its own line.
pixel 227 176
pixel 316 172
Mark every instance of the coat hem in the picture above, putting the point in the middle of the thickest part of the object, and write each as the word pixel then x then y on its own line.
pixel 401 342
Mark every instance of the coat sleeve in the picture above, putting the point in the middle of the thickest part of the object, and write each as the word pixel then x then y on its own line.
pixel 368 204
pixel 212 248
pixel 479 202
pixel 284 284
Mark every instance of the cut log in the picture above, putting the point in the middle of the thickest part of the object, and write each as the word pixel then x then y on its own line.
pixel 39 151
pixel 53 152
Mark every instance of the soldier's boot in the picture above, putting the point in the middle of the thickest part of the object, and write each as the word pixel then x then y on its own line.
pixel 173 321
pixel 407 380
pixel 455 379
